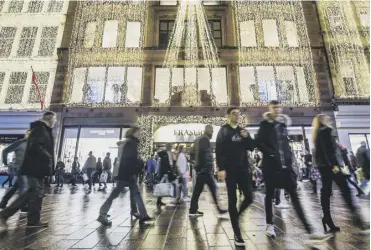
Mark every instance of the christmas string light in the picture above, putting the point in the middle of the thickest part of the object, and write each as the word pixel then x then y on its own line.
pixel 110 54
pixel 294 58
pixel 347 59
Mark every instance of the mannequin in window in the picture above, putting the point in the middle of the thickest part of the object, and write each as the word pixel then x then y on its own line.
pixel 116 93
pixel 124 92
pixel 85 92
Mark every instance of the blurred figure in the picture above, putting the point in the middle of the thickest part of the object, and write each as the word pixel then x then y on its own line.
pixel 127 178
pixel 11 174
pixel 19 149
pixel 107 166
pixel 182 166
pixel 115 172
pixel 98 173
pixel 75 171
pixel 363 159
pixel 60 168
pixel 165 167
pixel 38 162
pixel 328 165
pixel 89 167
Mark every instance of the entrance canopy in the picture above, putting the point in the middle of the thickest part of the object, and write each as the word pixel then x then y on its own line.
pixel 186 132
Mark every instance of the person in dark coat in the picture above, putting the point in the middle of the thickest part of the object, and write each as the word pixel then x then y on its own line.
pixel 89 166
pixel 60 169
pixel 38 162
pixel 75 170
pixel 19 149
pixel 166 167
pixel 328 165
pixel 98 172
pixel 363 159
pixel 273 142
pixel 129 163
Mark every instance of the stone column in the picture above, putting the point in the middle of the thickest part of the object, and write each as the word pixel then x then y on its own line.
pixel 233 86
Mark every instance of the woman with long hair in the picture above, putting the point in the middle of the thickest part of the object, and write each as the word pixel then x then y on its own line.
pixel 327 163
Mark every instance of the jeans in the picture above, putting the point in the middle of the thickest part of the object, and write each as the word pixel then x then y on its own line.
pixel 73 179
pixel 9 194
pixel 60 178
pixel 136 201
pixel 32 190
pixel 327 176
pixel 9 179
pixel 201 180
pixel 184 186
pixel 243 180
pixel 270 193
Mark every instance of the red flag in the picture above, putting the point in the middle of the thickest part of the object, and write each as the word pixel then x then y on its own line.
pixel 37 89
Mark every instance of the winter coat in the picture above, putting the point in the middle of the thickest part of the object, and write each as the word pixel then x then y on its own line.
pixel 116 166
pixel 19 149
pixel 363 158
pixel 273 142
pixel 182 164
pixel 90 163
pixel 231 150
pixel 165 167
pixel 60 167
pixel 38 159
pixel 203 155
pixel 129 160
pixel 107 164
pixel 326 147
pixel 99 168
pixel 75 168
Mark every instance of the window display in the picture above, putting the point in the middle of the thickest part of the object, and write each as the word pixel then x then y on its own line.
pixel 356 139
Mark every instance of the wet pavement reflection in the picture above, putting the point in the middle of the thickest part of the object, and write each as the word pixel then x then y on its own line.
pixel 72 212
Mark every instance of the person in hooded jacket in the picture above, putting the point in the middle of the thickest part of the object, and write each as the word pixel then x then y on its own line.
pixel 129 163
pixel 327 162
pixel 273 142
pixel 232 144
pixel 19 149
pixel 107 166
pixel 37 163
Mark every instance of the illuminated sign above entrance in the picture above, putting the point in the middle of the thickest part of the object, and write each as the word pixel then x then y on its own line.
pixel 187 132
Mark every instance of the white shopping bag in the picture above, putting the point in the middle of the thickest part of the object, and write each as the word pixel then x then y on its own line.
pixel 85 177
pixel 164 188
pixel 103 177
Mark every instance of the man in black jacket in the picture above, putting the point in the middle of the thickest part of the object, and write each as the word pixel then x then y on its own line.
pixel 166 167
pixel 273 142
pixel 232 144
pixel 38 162
pixel 204 166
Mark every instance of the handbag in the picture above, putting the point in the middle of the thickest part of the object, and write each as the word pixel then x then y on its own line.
pixel 103 177
pixel 85 177
pixel 164 188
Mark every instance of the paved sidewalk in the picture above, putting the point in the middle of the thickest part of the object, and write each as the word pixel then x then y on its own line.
pixel 72 215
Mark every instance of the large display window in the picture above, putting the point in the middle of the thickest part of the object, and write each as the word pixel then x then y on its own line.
pixel 79 141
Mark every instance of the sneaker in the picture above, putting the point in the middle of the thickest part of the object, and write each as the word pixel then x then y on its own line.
pixel 269 231
pixel 196 214
pixel 318 237
pixel 104 220
pixel 38 224
pixel 282 205
pixel 238 241
pixel 186 199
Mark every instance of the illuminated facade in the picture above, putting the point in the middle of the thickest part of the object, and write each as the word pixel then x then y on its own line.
pixel 141 62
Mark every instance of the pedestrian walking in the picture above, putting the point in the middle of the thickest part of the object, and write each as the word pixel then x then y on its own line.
pixel 115 172
pixel 107 167
pixel 38 162
pixel 75 170
pixel 182 166
pixel 165 167
pixel 89 166
pixel 273 142
pixel 60 170
pixel 129 162
pixel 19 149
pixel 232 144
pixel 328 165
pixel 363 159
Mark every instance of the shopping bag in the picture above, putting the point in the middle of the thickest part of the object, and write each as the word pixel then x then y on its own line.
pixel 164 188
pixel 345 170
pixel 103 177
pixel 85 177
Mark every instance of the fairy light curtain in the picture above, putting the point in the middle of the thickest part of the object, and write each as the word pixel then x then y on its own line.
pixel 274 54
pixel 106 54
pixel 202 81
pixel 347 59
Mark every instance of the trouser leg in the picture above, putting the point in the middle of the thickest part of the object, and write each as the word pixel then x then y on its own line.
pixel 114 194
pixel 244 181
pixel 232 204
pixel 277 195
pixel 326 190
pixel 210 182
pixel 197 190
pixel 185 186
pixel 35 199
pixel 10 193
pixel 270 191
pixel 136 200
pixel 349 179
pixel 19 201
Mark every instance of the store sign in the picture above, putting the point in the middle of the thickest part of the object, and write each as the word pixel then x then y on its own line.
pixel 187 132
pixel 184 132
pixel 6 139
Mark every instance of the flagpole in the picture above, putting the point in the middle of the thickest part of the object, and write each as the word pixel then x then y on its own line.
pixel 34 80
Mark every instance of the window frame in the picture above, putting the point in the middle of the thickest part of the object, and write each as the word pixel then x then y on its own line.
pixel 21 46
pixel 23 85
pixel 15 10
pixel 11 39
pixel 34 4
pixel 51 41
